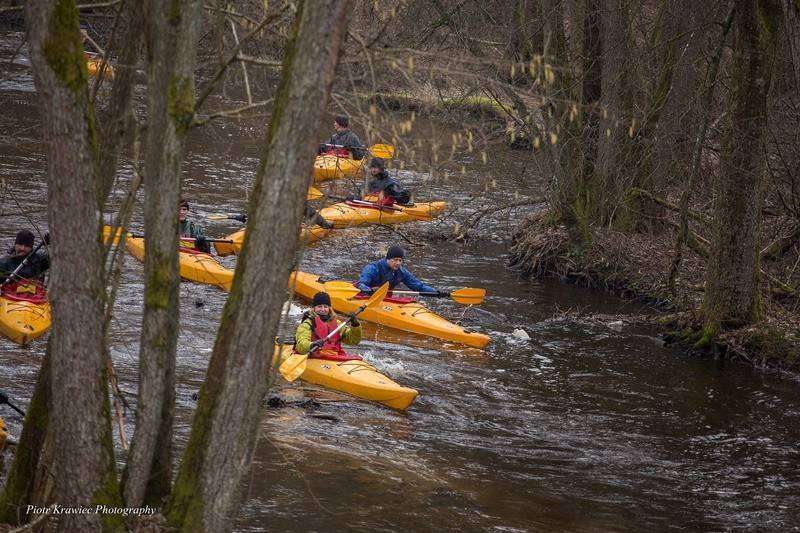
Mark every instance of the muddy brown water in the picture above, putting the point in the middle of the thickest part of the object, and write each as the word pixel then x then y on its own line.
pixel 584 427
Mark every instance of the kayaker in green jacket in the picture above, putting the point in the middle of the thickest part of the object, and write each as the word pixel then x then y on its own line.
pixel 317 324
pixel 36 265
pixel 188 228
pixel 343 143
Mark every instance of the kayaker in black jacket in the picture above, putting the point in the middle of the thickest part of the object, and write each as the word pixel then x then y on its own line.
pixel 343 142
pixel 188 228
pixel 37 264
pixel 382 185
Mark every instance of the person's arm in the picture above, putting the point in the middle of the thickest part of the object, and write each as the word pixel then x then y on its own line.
pixel 200 242
pixel 368 278
pixel 357 149
pixel 302 337
pixel 351 334
pixel 413 283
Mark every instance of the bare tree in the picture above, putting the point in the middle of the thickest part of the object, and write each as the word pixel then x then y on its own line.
pixel 82 469
pixel 225 428
pixel 172 33
pixel 731 297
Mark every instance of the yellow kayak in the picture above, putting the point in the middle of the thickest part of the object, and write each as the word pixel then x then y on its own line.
pixel 332 167
pixel 396 313
pixel 357 378
pixel 307 236
pixel 348 214
pixel 194 266
pixel 93 68
pixel 24 311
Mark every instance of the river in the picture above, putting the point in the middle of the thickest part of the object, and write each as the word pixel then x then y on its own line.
pixel 582 427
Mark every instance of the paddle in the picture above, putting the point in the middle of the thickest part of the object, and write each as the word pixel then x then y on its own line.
pixel 24 262
pixel 384 151
pixel 465 296
pixel 4 399
pixel 141 236
pixel 417 212
pixel 295 364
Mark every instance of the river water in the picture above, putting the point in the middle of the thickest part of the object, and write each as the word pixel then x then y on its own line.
pixel 586 426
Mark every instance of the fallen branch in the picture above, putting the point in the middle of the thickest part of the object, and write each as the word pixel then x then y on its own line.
pixel 700 217
pixel 230 112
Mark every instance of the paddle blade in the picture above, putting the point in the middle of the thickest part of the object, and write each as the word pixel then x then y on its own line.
pixel 217 216
pixel 377 296
pixel 314 194
pixel 384 151
pixel 293 367
pixel 468 296
pixel 341 289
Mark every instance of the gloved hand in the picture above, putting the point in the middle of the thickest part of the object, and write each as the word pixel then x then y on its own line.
pixel 241 218
pixel 200 242
pixel 350 197
pixel 46 238
pixel 316 345
pixel 354 321
pixel 367 291
pixel 443 294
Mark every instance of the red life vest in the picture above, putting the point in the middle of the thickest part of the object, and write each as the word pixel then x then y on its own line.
pixel 332 349
pixel 338 152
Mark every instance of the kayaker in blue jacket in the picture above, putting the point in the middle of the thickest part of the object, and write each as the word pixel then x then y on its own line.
pixel 391 269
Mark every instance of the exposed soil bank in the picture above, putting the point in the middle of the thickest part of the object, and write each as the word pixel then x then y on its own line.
pixel 636 266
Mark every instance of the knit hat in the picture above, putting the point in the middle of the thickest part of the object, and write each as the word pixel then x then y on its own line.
pixel 25 237
pixel 395 252
pixel 321 298
pixel 377 162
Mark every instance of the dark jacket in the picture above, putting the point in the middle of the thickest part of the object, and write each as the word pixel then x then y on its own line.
pixel 35 268
pixel 349 140
pixel 384 183
pixel 376 274
pixel 187 228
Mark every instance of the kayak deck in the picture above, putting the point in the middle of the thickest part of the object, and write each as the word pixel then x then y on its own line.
pixel 332 167
pixel 23 321
pixel 413 317
pixel 345 214
pixel 308 236
pixel 356 378
pixel 194 266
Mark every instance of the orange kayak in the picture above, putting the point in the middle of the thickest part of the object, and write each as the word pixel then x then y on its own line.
pixel 403 314
pixel 307 236
pixel 348 214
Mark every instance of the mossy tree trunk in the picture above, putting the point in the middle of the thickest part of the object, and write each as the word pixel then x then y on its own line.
pixel 83 468
pixel 731 296
pixel 172 33
pixel 225 428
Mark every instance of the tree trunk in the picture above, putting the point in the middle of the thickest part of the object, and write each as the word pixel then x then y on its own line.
pixel 83 466
pixel 172 34
pixel 226 423
pixel 731 297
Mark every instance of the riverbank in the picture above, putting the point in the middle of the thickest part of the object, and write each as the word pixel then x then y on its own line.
pixel 636 266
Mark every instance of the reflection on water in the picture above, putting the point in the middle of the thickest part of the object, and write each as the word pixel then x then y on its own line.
pixel 580 428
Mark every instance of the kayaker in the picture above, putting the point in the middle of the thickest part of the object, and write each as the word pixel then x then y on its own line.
pixel 37 264
pixel 384 186
pixel 343 143
pixel 317 324
pixel 390 269
pixel 188 228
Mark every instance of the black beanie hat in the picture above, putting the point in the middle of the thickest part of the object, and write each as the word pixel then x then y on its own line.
pixel 25 237
pixel 184 203
pixel 321 298
pixel 377 162
pixel 395 251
